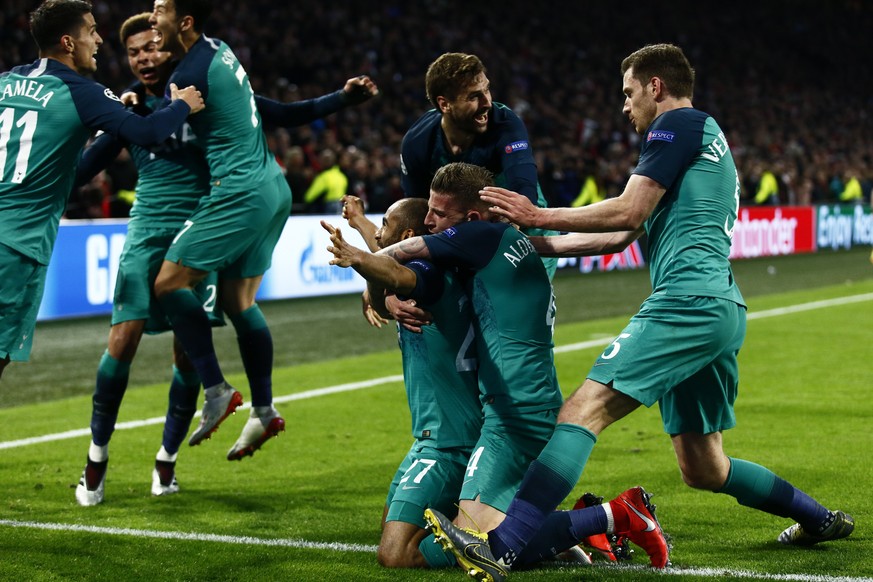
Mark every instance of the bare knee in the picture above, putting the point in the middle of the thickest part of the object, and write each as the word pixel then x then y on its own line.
pixel 173 277
pixel 398 556
pixel 124 339
pixel 705 477
pixel 398 547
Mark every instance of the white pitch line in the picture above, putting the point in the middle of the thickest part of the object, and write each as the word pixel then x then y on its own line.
pixel 398 378
pixel 58 436
pixel 195 537
pixel 714 573
pixel 810 306
pixel 719 573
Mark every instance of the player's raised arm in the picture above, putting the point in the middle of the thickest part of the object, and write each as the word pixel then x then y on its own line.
pixel 380 268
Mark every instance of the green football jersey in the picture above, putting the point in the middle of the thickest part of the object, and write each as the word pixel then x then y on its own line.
pixel 172 178
pixel 47 113
pixel 439 364
pixel 229 127
pixel 514 311
pixel 689 232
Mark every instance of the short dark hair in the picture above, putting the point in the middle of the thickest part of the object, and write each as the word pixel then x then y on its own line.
pixel 55 18
pixel 462 182
pixel 665 61
pixel 450 73
pixel 134 25
pixel 199 10
pixel 410 214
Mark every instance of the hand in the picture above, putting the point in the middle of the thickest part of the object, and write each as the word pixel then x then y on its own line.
pixel 516 207
pixel 345 255
pixel 189 95
pixel 370 314
pixel 359 89
pixel 407 314
pixel 129 99
pixel 353 209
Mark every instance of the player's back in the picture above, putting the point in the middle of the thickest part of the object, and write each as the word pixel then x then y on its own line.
pixel 41 136
pixel 229 127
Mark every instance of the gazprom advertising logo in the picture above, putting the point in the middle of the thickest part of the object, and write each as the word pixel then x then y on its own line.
pixel 314 269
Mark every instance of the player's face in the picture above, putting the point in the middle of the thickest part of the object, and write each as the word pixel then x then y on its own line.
pixel 639 102
pixel 85 44
pixel 150 66
pixel 443 211
pixel 469 111
pixel 389 233
pixel 166 25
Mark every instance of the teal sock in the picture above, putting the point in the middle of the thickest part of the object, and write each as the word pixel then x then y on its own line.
pixel 759 488
pixel 550 478
pixel 434 555
pixel 256 350
pixel 749 483
pixel 192 327
pixel 181 408
pixel 567 452
pixel 109 389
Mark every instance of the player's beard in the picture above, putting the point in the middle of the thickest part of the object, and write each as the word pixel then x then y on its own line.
pixel 468 124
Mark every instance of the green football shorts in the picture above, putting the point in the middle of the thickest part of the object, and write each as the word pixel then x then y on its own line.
pixel 141 259
pixel 234 233
pixel 682 353
pixel 22 282
pixel 427 477
pixel 500 458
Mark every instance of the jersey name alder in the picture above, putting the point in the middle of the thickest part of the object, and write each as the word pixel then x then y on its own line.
pixel 520 249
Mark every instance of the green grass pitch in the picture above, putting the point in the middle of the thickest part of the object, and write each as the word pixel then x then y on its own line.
pixel 307 506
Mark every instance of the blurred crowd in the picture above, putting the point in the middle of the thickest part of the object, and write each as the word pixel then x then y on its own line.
pixel 787 80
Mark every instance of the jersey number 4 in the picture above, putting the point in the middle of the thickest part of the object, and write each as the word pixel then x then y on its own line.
pixel 27 124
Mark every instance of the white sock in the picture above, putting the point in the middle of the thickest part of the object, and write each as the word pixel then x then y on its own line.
pixel 610 519
pixel 98 454
pixel 264 411
pixel 163 455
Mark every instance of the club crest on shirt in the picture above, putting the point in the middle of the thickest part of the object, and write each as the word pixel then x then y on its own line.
pixel 658 135
pixel 108 92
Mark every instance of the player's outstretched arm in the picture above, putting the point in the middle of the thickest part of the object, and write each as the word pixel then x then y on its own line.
pixel 627 212
pixel 584 244
pixel 379 268
pixel 296 113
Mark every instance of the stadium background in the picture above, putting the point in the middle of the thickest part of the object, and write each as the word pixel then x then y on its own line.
pixel 788 81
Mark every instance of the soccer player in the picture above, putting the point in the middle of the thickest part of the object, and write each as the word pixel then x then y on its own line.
pixel 48 109
pixel 439 372
pixel 233 231
pixel 513 313
pixel 465 125
pixel 172 179
pixel 681 349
